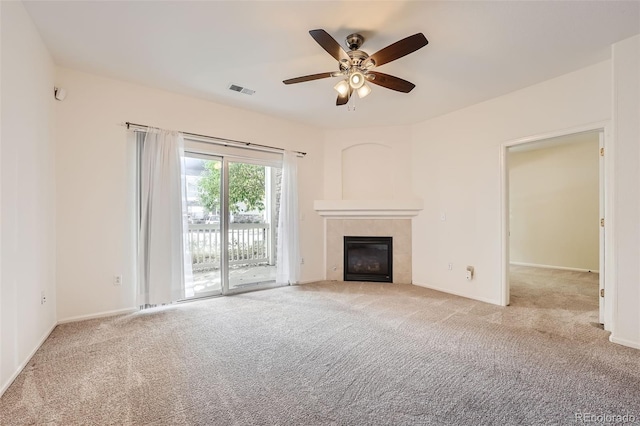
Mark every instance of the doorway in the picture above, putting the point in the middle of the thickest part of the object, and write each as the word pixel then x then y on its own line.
pixel 232 219
pixel 553 200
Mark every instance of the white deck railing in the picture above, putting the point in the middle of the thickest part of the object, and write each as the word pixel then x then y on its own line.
pixel 249 243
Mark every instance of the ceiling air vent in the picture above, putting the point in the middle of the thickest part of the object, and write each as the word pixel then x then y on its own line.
pixel 241 89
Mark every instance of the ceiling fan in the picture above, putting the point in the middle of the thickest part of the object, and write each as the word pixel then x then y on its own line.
pixel 357 66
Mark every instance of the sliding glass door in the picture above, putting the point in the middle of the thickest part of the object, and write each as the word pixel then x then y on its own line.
pixel 231 203
pixel 204 208
pixel 252 237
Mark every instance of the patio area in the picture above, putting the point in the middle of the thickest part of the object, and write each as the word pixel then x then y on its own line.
pixel 250 257
pixel 209 282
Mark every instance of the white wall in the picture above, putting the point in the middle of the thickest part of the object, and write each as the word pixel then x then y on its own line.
pixel 456 170
pixel 353 159
pixel 366 174
pixel 27 210
pixel 95 180
pixel 626 225
pixel 554 205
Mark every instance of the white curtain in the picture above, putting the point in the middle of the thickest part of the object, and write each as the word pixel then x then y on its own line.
pixel 288 253
pixel 163 258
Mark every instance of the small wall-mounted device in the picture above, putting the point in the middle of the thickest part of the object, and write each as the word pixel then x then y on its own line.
pixel 469 273
pixel 60 93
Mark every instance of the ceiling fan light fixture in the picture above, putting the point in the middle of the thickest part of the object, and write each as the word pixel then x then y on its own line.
pixel 364 90
pixel 356 66
pixel 342 87
pixel 356 80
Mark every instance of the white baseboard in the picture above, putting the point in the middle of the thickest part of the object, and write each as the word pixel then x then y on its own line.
pixel 98 315
pixel 455 293
pixel 310 281
pixel 564 268
pixel 21 367
pixel 624 342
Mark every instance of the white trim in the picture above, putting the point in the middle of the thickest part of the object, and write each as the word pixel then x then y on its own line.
pixel 455 293
pixel 98 315
pixel 610 195
pixel 600 125
pixel 564 268
pixel 324 249
pixel 624 342
pixel 310 281
pixel 21 367
pixel 602 234
pixel 504 226
pixel 610 283
pixel 368 209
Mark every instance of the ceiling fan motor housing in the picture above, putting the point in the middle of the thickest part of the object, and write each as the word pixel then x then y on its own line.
pixel 354 41
pixel 357 57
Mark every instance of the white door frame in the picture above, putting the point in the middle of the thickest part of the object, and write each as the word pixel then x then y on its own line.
pixel 602 234
pixel 607 186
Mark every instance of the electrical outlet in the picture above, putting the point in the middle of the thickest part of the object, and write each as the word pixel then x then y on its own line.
pixel 470 271
pixel 117 279
pixel 450 266
pixel 302 261
pixel 43 298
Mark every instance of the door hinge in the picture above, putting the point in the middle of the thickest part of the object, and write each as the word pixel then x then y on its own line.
pixel 602 292
pixel 602 222
pixel 601 152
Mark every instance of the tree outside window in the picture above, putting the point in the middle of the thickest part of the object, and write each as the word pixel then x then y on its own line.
pixel 246 188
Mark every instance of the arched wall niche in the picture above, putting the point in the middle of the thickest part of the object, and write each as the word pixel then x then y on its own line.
pixel 367 173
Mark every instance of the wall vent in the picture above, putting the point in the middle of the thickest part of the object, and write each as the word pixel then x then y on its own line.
pixel 241 89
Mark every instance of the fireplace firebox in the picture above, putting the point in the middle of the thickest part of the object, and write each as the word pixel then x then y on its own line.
pixel 368 259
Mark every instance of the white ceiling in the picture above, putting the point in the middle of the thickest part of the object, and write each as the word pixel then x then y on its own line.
pixel 477 50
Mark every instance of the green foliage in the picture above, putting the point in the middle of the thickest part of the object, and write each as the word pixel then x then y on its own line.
pixel 209 187
pixel 246 185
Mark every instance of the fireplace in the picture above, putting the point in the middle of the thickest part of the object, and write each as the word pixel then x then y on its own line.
pixel 368 259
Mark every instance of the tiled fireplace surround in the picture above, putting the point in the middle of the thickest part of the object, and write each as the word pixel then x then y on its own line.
pixel 399 229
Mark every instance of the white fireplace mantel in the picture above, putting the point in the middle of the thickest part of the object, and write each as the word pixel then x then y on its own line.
pixel 370 209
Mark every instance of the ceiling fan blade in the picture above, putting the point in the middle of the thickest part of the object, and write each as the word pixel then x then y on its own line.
pixel 308 78
pixel 398 49
pixel 342 100
pixel 390 82
pixel 329 44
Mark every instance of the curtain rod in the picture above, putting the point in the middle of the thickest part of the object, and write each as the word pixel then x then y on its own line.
pixel 222 140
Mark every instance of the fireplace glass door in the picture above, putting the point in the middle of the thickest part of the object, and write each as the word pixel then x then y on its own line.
pixel 368 259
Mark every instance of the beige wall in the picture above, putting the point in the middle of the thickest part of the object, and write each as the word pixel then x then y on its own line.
pixel 554 204
pixel 452 162
pixel 626 190
pixel 457 171
pixel 367 163
pixel 27 192
pixel 366 174
pixel 95 200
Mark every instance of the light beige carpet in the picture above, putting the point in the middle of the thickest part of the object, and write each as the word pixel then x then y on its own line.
pixel 337 353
